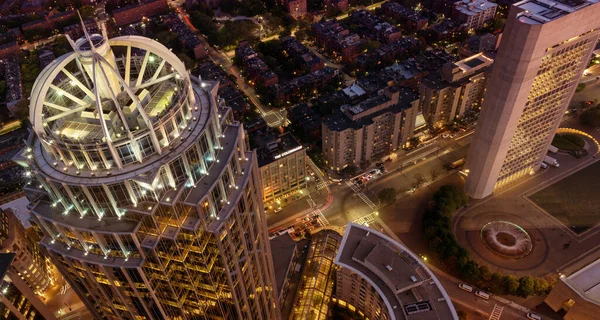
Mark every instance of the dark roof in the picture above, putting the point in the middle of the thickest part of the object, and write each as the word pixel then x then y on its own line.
pixel 270 147
pixel 134 5
pixel 282 250
pixel 5 261
pixel 338 121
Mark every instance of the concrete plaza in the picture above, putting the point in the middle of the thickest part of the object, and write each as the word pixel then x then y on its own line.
pixel 555 245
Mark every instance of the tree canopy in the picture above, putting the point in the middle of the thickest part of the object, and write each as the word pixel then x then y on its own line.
pixel 441 240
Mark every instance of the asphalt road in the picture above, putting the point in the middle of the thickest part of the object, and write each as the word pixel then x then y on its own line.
pixel 347 206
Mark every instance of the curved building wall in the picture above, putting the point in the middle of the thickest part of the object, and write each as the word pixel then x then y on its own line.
pixel 178 234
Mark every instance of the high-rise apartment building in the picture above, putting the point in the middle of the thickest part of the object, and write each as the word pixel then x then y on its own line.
pixel 460 85
pixel 24 272
pixel 474 13
pixel 29 264
pixel 144 188
pixel 545 48
pixel 296 8
pixel 374 127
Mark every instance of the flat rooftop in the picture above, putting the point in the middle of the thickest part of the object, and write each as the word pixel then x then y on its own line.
pixel 276 149
pixel 477 61
pixel 542 11
pixel 472 7
pixel 338 121
pixel 5 261
pixel 282 250
pixel 587 281
pixel 407 286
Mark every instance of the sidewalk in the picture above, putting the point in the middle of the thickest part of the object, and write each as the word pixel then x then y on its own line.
pixel 452 279
pixel 298 208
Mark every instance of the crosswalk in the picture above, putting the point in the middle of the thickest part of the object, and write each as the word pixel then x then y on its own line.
pixel 323 184
pixel 359 193
pixel 366 220
pixel 322 220
pixel 496 313
pixel 310 201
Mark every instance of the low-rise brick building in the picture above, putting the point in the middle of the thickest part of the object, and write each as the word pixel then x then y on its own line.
pixel 136 12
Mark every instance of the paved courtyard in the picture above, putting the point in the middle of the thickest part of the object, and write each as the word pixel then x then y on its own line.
pixel 555 246
pixel 574 200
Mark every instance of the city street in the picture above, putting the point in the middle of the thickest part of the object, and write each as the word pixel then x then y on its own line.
pixel 348 206
pixel 274 118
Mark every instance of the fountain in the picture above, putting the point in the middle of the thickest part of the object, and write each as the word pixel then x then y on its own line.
pixel 506 239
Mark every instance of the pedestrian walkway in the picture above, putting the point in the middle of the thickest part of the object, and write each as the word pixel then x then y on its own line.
pixel 323 184
pixel 496 313
pixel 359 193
pixel 321 218
pixel 366 220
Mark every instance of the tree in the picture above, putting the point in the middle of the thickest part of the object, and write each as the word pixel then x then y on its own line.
pixel 580 87
pixel 434 174
pixel 496 284
pixel 3 89
pixel 387 195
pixel 462 315
pixel 486 274
pixel 511 284
pixel 86 11
pixel 419 180
pixel 251 8
pixel 301 35
pixel 471 271
pixel 349 171
pixel 590 117
pixel 526 286
pixel 22 107
pixel 414 142
pixel 189 62
pixel 541 286
pixel 307 235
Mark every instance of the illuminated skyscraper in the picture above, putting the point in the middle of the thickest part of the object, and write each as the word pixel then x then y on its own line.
pixel 545 47
pixel 144 188
pixel 24 273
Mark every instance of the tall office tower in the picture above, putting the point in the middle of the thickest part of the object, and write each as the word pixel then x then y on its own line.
pixel 144 188
pixel 545 48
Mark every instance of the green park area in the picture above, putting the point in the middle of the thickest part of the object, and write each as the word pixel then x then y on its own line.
pixel 573 200
pixel 568 142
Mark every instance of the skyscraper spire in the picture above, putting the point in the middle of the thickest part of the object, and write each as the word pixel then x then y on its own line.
pixel 85 32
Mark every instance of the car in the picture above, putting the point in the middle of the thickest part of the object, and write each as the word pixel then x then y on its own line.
pixel 544 165
pixel 374 172
pixel 533 316
pixel 277 210
pixel 482 294
pixel 465 287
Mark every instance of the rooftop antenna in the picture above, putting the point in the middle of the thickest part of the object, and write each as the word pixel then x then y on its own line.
pixel 87 35
pixel 103 29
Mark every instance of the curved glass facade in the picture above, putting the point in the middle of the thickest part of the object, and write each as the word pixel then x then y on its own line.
pixel 144 188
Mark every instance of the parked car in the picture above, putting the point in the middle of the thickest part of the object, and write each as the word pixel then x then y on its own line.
pixel 465 287
pixel 482 294
pixel 533 316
